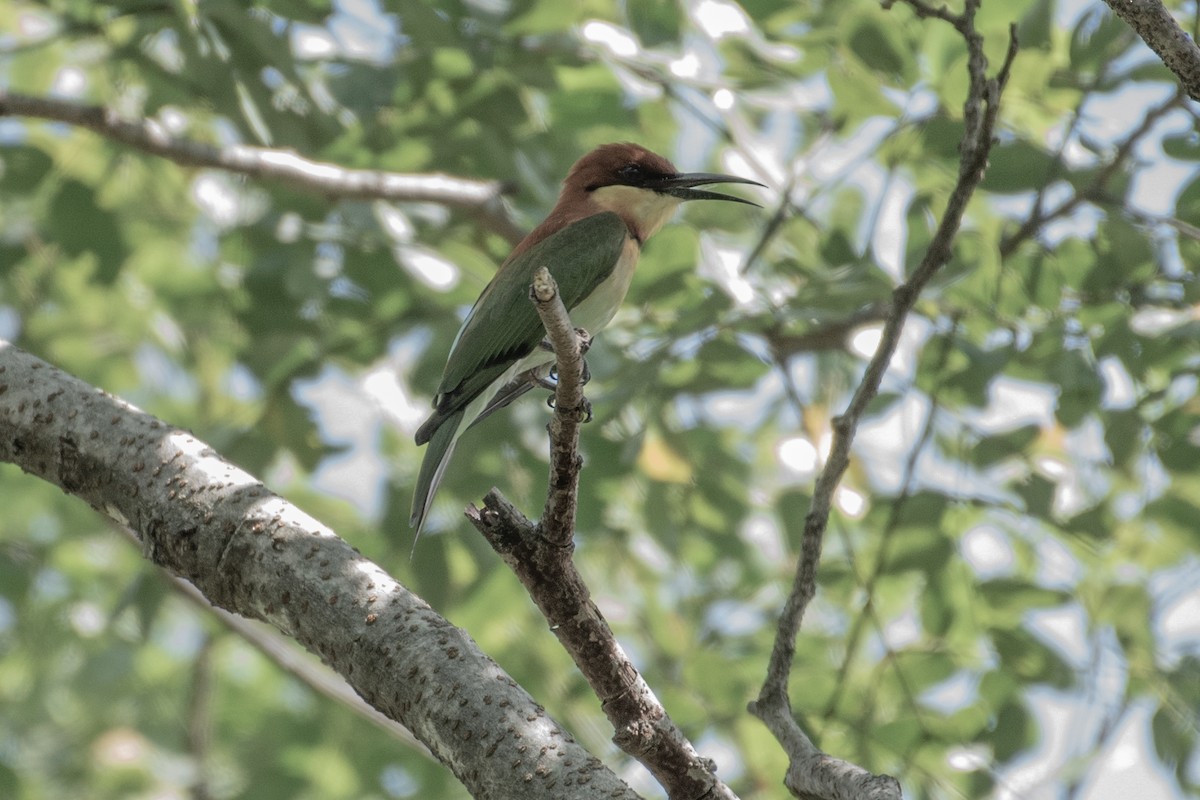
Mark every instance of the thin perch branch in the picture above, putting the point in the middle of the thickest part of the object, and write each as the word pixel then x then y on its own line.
pixel 570 409
pixel 482 197
pixel 540 556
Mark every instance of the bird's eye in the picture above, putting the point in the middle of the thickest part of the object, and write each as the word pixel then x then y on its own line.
pixel 631 170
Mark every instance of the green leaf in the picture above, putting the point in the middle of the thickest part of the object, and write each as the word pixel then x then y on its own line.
pixel 80 226
pixel 1017 166
pixel 974 369
pixel 22 168
pixel 941 137
pixel 1037 493
pixel 1123 434
pixel 1031 660
pixel 655 22
pixel 1015 596
pixel 546 16
pixel 920 545
pixel 1080 388
pixel 452 63
pixel 1095 523
pixel 1174 735
pixel 875 39
pixel 900 735
pixel 1177 440
pixel 1184 146
pixel 1013 732
pixel 1126 256
pixel 1033 31
pixel 938 612
pixel 993 449
pixel 1099 38
pixel 10 781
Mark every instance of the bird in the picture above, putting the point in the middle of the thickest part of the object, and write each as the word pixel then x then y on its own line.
pixel 612 201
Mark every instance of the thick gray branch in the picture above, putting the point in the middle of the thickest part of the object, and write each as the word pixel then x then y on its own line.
pixel 1158 29
pixel 251 552
pixel 482 197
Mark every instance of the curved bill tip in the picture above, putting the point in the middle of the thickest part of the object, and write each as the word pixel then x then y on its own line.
pixel 684 186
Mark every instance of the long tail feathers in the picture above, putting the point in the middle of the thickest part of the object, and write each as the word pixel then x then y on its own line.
pixel 437 456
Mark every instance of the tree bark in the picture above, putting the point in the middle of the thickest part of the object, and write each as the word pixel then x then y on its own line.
pixel 251 552
pixel 1159 30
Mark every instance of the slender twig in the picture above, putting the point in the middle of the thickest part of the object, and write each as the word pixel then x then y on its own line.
pixel 887 537
pixel 980 111
pixel 1053 173
pixel 482 197
pixel 829 335
pixel 923 9
pixel 1184 229
pixel 1039 218
pixel 199 720
pixel 1108 725
pixel 783 212
pixel 540 556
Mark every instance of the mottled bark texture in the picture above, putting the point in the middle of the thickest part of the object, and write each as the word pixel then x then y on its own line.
pixel 253 553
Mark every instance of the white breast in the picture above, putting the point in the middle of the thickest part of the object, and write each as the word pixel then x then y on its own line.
pixel 598 308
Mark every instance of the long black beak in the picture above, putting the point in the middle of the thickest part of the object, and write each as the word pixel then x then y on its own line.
pixel 683 186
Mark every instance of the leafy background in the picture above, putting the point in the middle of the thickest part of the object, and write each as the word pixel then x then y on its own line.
pixel 1007 603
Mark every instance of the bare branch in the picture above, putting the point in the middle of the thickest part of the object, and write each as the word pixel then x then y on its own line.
pixel 540 556
pixel 923 9
pixel 887 537
pixel 830 335
pixel 250 551
pixel 481 197
pixel 570 409
pixel 1158 29
pixel 199 720
pixel 810 773
pixel 1095 191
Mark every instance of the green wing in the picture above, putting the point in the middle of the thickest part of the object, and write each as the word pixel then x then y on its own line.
pixel 503 326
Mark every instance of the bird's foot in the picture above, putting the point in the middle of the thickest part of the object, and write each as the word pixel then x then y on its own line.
pixel 583 412
pixel 585 342
pixel 552 380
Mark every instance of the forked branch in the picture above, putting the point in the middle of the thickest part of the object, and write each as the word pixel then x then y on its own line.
pixel 813 774
pixel 540 556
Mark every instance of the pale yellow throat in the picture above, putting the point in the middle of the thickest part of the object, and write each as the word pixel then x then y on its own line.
pixel 644 210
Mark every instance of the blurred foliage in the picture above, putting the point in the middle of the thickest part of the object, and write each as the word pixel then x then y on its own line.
pixel 1020 521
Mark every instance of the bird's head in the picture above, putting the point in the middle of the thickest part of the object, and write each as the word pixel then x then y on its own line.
pixel 641 186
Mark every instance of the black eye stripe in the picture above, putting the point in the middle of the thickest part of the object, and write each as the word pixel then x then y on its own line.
pixel 630 174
